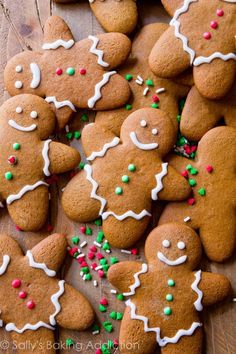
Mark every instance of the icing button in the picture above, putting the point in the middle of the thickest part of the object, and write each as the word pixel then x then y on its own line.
pixel 70 71
pixel 131 167
pixel 8 175
pixel 171 282
pixel 30 304
pixel 12 160
pixel 167 311
pixel 119 190
pixel 125 179
pixel 59 71
pixel 22 294
pixel 16 146
pixel 16 283
pixel 169 297
pixel 207 35
pixel 220 12
pixel 214 24
pixel 82 71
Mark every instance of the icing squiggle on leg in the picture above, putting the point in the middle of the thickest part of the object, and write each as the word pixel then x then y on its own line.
pixel 55 301
pixel 128 214
pixel 198 303
pixel 45 152
pixel 24 190
pixel 12 327
pixel 60 104
pixel 97 95
pixel 159 178
pixel 93 194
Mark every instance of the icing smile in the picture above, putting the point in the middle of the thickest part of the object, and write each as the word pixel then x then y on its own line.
pixel 169 262
pixel 140 145
pixel 16 126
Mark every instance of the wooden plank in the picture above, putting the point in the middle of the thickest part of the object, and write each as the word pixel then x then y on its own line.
pixel 21 27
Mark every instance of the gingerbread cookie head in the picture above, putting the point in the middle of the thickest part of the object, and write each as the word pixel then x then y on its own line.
pixel 71 74
pixel 28 157
pixel 207 44
pixel 28 312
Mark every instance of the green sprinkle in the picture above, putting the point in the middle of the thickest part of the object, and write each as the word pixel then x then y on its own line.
pixel 128 77
pixel 167 311
pixel 100 236
pixel 110 344
pixel 192 155
pixel 182 141
pixel 81 165
pixel 125 179
pixel 95 327
pixel 118 190
pixel 70 71
pixel 119 316
pixel 171 282
pixel 105 349
pixel 105 267
pixel 75 240
pixel 77 135
pixel 88 277
pixel 16 146
pixel 178 118
pixel 128 107
pixel 113 315
pixel 169 297
pixel 88 231
pixel 106 246
pixel 69 135
pixel 131 167
pixel 181 104
pixel 202 192
pixel 98 222
pixel 84 117
pixel 189 167
pixel 69 342
pixel 107 326
pixel 193 171
pixel 75 255
pixel 103 261
pixel 85 270
pixel 102 308
pixel 149 82
pixel 8 175
pixel 192 182
pixel 155 105
pixel 114 260
pixel 120 297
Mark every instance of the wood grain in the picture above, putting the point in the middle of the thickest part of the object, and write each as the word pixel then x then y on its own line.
pixel 21 27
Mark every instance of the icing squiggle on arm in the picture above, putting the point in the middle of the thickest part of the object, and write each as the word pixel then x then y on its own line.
pixel 5 263
pixel 106 77
pixel 24 190
pixel 46 158
pixel 128 214
pixel 97 52
pixel 136 284
pixel 33 264
pixel 102 152
pixel 12 327
pixel 198 303
pixel 60 104
pixel 36 75
pixel 88 169
pixel 59 43
pixel 206 60
pixel 159 177
pixel 55 301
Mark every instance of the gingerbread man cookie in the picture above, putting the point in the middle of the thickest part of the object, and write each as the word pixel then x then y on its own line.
pixel 125 175
pixel 147 90
pixel 166 294
pixel 33 300
pixel 211 208
pixel 28 157
pixel 72 74
pixel 200 114
pixel 205 42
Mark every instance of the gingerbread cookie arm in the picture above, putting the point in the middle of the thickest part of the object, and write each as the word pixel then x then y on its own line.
pixel 62 158
pixel 57 34
pixel 215 288
pixel 172 5
pixel 125 274
pixel 42 253
pixel 80 316
pixel 8 247
pixel 64 110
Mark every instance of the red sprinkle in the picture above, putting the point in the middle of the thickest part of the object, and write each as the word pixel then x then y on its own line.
pixel 104 301
pixel 207 35
pixel 72 251
pixel 59 71
pixel 184 173
pixel 101 273
pixel 93 249
pixel 188 150
pixel 31 305
pixel 83 264
pixel 49 228
pixel 155 98
pixel 82 71
pixel 220 12
pixel 193 148
pixel 91 255
pixel 191 201
pixel 94 266
pixel 209 168
pixel 134 251
pixel 99 256
pixel 18 228
pixel 22 294
pixel 116 343
pixel 81 260
pixel 214 24
pixel 16 283
pixel 82 229
pixel 98 351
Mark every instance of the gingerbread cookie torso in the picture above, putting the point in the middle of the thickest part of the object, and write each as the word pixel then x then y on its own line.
pixel 211 207
pixel 126 174
pixel 28 157
pixel 32 300
pixel 165 295
pixel 72 74
pixel 205 42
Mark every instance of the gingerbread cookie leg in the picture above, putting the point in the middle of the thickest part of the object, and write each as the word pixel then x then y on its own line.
pixel 29 212
pixel 192 344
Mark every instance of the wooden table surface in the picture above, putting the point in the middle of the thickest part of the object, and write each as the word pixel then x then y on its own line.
pixel 21 28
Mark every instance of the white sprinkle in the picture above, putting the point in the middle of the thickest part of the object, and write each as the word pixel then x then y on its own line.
pixel 67 129
pixel 97 244
pixel 234 299
pixel 160 90
pixel 81 274
pixel 125 251
pixel 98 267
pixel 84 277
pixel 143 123
pixel 95 283
pixel 187 219
pixel 80 255
pixel 140 78
pixel 139 82
pixel 145 91
pixel 108 251
pixel 95 332
pixel 1 323
pixel 83 244
pixel 113 291
pixel 62 190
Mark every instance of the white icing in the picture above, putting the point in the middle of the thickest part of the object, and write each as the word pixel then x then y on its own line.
pixel 102 152
pixel 169 262
pixel 160 90
pixel 88 169
pixel 36 75
pixel 136 284
pixel 159 177
pixel 5 263
pixel 18 84
pixel 12 327
pixel 202 60
pixel 143 123
pixel 97 52
pixel 19 110
pixel 55 301
pixel 181 245
pixel 19 68
pixel 59 43
pixel 165 340
pixel 33 264
pixel 46 158
pixel 16 126
pixel 24 190
pixel 33 114
pixel 97 95
pixel 128 214
pixel 140 145
pixel 198 303
pixel 60 104
pixel 166 243
pixel 154 131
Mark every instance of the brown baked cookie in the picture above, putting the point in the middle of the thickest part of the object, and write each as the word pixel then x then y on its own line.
pixel 201 114
pixel 28 157
pixel 205 42
pixel 72 74
pixel 211 208
pixel 33 300
pixel 146 88
pixel 166 294
pixel 125 176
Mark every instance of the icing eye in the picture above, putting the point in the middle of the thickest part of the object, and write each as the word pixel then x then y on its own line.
pixel 154 131
pixel 18 84
pixel 143 123
pixel 33 114
pixel 181 245
pixel 19 68
pixel 19 110
pixel 166 243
